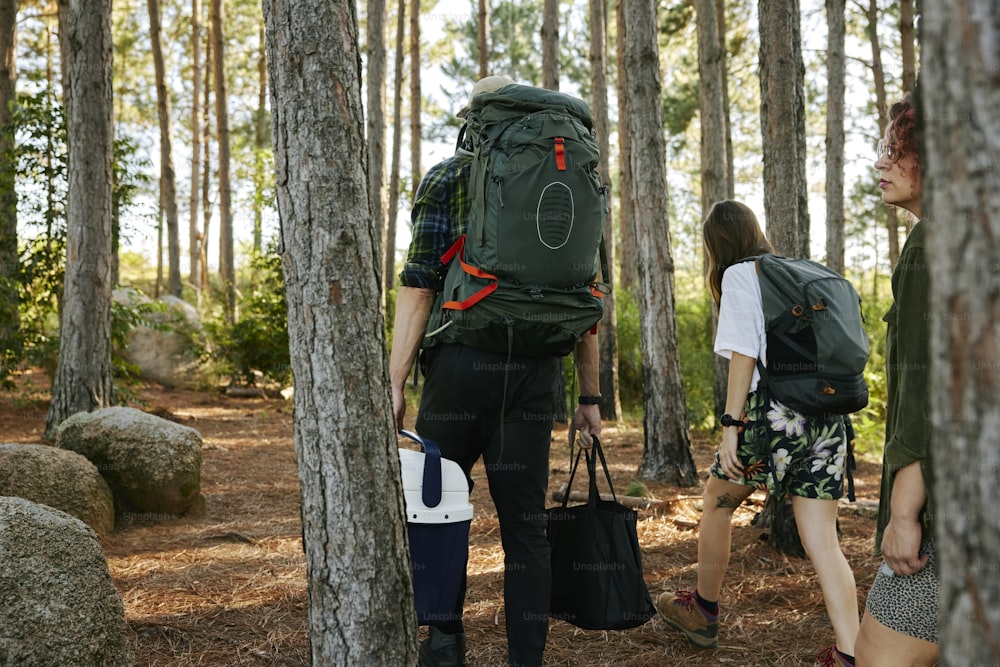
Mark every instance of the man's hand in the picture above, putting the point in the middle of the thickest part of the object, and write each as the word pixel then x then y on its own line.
pixel 587 421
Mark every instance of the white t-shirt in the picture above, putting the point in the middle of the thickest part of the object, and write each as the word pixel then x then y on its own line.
pixel 741 316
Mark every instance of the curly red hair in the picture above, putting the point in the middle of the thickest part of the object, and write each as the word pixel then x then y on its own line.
pixel 903 129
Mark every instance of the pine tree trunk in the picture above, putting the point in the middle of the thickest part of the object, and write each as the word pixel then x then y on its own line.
pixel 715 167
pixel 83 375
pixel 835 68
pixel 785 205
pixel 667 453
pixel 960 94
pixel 194 237
pixel 206 168
pixel 9 346
pixel 907 44
pixel 261 141
pixel 550 44
pixel 628 261
pixel 397 138
pixel 227 268
pixel 611 405
pixel 168 181
pixel 783 125
pixel 360 591
pixel 482 37
pixel 881 103
pixel 416 99
pixel 375 40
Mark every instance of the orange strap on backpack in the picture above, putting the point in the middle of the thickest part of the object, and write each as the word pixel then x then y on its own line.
pixel 458 249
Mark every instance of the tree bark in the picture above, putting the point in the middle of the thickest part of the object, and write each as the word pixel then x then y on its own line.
pixel 360 591
pixel 375 45
pixel 261 141
pixel 782 113
pixel 227 267
pixel 627 269
pixel 9 318
pixel 482 37
pixel 397 138
pixel 206 170
pixel 550 44
pixel 194 237
pixel 83 375
pixel 960 92
pixel 782 119
pixel 416 98
pixel 907 44
pixel 881 103
pixel 835 69
pixel 611 405
pixel 667 452
pixel 715 147
pixel 168 180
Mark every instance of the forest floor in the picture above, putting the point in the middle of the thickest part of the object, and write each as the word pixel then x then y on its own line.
pixel 229 587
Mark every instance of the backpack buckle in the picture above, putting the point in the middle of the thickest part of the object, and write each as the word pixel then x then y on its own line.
pixel 798 311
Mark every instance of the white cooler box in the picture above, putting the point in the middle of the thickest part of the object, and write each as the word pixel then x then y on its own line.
pixel 438 516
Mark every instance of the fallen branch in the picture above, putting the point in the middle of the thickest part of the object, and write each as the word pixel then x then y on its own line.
pixel 628 501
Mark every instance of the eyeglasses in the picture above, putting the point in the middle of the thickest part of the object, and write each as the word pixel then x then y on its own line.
pixel 888 150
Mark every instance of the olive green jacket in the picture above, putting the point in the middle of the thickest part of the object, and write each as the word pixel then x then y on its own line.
pixel 907 356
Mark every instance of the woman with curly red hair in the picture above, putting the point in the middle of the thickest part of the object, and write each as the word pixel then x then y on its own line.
pixel 900 622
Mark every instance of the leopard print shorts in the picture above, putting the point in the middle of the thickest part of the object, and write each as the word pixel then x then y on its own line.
pixel 908 604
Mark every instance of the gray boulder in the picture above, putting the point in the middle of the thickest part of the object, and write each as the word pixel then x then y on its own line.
pixel 60 479
pixel 152 465
pixel 58 605
pixel 169 351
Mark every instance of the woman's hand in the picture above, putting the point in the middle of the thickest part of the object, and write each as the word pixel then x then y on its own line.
pixel 729 460
pixel 901 546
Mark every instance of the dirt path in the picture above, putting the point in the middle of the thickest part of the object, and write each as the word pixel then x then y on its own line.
pixel 229 588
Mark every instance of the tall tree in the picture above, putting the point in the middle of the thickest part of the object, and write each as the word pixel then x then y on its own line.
pixel 389 253
pixel 783 126
pixel 716 145
pixel 206 170
pixel 482 37
pixel 550 44
pixel 783 129
pixel 8 196
pixel 881 103
pixel 261 140
pixel 352 508
pixel 416 99
pixel 83 374
pixel 959 95
pixel 667 453
pixel 611 404
pixel 168 181
pixel 907 44
pixel 194 237
pixel 625 211
pixel 835 73
pixel 375 47
pixel 227 268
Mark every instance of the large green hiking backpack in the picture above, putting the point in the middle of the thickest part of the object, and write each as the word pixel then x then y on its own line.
pixel 816 345
pixel 523 278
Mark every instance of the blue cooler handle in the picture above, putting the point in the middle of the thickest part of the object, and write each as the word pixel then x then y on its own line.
pixel 430 490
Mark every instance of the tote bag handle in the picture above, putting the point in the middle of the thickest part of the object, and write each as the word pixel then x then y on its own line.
pixel 591 454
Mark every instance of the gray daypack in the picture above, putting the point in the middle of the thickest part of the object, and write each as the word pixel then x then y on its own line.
pixel 816 345
pixel 523 279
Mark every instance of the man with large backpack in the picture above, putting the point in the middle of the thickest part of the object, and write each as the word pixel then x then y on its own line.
pixel 500 281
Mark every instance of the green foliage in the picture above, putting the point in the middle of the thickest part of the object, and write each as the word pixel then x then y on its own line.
pixel 695 344
pixel 869 424
pixel 629 353
pixel 258 342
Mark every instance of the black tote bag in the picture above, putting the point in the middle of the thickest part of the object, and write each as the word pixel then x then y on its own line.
pixel 597 579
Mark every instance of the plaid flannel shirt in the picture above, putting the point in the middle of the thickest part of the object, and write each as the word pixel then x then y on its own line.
pixel 439 216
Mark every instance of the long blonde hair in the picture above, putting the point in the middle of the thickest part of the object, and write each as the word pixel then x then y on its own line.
pixel 731 232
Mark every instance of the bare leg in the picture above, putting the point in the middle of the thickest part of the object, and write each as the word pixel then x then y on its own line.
pixel 715 533
pixel 879 646
pixel 817 523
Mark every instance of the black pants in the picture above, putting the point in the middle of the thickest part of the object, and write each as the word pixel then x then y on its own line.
pixel 476 403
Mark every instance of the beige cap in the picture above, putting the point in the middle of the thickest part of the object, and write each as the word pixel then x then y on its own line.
pixel 487 84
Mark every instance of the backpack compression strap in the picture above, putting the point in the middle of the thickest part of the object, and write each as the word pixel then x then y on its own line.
pixel 458 249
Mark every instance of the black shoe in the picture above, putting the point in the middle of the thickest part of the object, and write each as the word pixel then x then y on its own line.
pixel 441 650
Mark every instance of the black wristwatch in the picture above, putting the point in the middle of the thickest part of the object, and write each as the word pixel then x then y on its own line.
pixel 589 400
pixel 728 420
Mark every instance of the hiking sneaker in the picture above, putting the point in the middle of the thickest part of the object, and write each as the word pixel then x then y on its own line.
pixel 442 650
pixel 683 613
pixel 831 657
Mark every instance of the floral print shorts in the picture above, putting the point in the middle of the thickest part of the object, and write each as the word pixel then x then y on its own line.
pixel 809 454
